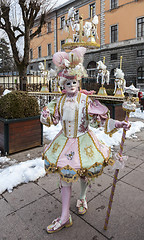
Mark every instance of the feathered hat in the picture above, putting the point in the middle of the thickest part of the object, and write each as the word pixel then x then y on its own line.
pixel 70 65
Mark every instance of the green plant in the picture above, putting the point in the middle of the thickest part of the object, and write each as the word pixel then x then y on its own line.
pixel 18 104
pixel 1 90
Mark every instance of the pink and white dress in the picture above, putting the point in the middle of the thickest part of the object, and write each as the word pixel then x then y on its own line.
pixel 76 151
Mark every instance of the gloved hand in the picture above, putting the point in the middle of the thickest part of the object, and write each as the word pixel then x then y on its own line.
pixel 45 116
pixel 45 112
pixel 122 124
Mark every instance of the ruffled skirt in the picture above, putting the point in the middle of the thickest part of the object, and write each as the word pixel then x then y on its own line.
pixel 84 156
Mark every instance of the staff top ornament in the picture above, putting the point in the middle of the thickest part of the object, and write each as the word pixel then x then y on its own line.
pixel 130 105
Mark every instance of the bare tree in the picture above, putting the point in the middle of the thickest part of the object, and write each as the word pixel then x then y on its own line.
pixel 17 18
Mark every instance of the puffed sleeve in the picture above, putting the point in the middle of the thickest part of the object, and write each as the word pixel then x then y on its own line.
pixel 99 115
pixel 50 114
pixel 97 112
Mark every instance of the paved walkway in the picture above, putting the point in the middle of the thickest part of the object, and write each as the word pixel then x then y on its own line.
pixel 25 213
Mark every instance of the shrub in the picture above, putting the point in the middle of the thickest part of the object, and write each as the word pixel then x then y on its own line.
pixel 18 104
pixel 1 90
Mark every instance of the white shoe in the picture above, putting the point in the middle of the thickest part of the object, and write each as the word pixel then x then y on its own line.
pixel 56 225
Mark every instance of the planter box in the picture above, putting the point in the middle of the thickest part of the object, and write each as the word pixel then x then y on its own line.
pixel 20 134
pixel 116 111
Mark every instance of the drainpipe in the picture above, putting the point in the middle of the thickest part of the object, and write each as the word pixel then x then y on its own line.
pixel 102 23
pixel 56 33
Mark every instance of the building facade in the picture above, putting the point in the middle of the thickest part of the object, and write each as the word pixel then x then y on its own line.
pixel 120 31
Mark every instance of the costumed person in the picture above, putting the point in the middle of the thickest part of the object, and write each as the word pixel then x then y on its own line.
pixel 75 152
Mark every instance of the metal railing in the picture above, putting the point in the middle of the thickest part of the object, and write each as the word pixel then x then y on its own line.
pixel 11 81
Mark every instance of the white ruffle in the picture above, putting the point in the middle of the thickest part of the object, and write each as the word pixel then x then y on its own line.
pixel 119 161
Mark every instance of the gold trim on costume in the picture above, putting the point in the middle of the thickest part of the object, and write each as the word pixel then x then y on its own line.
pixel 62 105
pixel 52 142
pixel 87 108
pixel 71 178
pixel 106 129
pixel 95 145
pixel 96 164
pixel 79 152
pixel 54 109
pixel 76 116
pixel 59 104
pixel 62 150
pixel 82 172
pixel 49 121
pixel 63 101
pixel 64 128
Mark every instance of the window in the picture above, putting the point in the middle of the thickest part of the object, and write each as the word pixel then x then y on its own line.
pixel 31 53
pixel 61 43
pixel 112 77
pixel 91 69
pixel 140 74
pixel 49 65
pixel 140 53
pixel 76 16
pixel 62 22
pixel 49 52
pixel 114 56
pixel 140 27
pixel 114 33
pixel 92 10
pixel 113 4
pixel 49 27
pixel 39 52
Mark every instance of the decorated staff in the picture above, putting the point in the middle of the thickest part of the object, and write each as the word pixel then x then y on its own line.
pixel 128 106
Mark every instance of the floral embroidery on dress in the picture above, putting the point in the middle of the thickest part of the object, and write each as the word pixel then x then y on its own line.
pixel 89 151
pixel 83 126
pixel 55 147
pixel 70 155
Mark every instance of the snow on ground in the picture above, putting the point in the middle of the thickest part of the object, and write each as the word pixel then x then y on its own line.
pixel 137 114
pixel 23 172
pixel 31 170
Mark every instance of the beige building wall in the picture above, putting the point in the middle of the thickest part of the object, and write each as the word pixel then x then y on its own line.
pixel 43 40
pixel 125 17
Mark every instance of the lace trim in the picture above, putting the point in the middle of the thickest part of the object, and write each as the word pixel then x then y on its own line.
pixel 110 133
pixel 69 174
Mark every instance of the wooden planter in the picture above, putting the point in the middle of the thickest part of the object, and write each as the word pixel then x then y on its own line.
pixel 20 134
pixel 116 111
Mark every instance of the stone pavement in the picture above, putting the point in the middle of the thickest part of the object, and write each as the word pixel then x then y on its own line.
pixel 25 213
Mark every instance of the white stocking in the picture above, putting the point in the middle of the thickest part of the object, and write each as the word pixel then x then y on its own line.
pixel 84 186
pixel 65 194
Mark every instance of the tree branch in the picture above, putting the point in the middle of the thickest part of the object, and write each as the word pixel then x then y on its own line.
pixel 42 21
pixel 16 28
